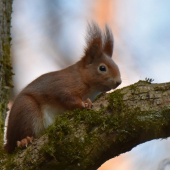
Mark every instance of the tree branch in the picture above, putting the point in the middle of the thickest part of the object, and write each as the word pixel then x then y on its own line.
pixel 85 139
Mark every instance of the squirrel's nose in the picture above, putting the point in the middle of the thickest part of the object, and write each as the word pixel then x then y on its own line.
pixel 118 82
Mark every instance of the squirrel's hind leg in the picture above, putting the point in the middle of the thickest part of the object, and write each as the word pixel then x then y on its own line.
pixel 25 119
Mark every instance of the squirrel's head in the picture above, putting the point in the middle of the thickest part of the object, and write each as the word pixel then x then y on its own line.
pixel 98 67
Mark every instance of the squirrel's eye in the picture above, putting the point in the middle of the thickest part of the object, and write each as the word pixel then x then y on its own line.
pixel 102 68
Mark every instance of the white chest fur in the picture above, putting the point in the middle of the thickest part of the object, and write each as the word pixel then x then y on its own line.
pixel 49 114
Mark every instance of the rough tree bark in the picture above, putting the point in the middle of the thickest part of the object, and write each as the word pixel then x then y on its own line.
pixel 86 139
pixel 5 62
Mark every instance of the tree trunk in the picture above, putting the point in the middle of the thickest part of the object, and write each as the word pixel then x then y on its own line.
pixel 85 139
pixel 5 63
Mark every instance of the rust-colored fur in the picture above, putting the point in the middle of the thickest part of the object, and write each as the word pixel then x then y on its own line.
pixel 67 89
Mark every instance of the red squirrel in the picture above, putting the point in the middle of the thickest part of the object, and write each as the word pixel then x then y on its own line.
pixel 51 94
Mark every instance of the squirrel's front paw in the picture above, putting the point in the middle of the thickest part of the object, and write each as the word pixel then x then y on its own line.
pixel 24 142
pixel 87 104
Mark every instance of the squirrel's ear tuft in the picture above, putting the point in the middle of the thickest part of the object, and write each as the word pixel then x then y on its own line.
pixel 93 43
pixel 108 42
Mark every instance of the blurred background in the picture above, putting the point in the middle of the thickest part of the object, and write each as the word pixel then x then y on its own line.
pixel 50 35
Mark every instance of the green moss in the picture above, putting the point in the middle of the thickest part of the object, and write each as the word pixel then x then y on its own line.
pixel 7 160
pixel 72 149
pixel 116 100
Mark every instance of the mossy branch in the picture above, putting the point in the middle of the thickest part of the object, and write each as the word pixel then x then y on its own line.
pixel 85 139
